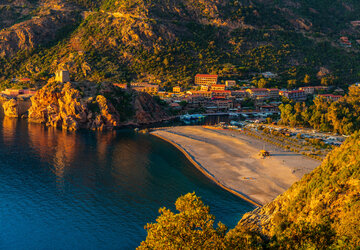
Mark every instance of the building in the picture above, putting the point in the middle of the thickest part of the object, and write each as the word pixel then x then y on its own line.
pixel 196 101
pixel 25 80
pixel 268 108
pixel 62 76
pixel 226 94
pixel 201 79
pixel 19 92
pixel 331 97
pixel 121 85
pixel 269 75
pixel 223 105
pixel 310 90
pixel 296 95
pixel 273 93
pixel 230 83
pixel 205 94
pixel 239 94
pixel 204 88
pixel 177 89
pixel 344 41
pixel 145 87
pixel 253 93
pixel 355 23
pixel 217 87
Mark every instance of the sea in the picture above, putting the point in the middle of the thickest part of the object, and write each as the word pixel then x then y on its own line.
pixel 93 190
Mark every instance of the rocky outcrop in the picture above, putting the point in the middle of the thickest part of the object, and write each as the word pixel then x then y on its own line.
pixel 79 105
pixel 146 110
pixel 14 107
pixel 11 108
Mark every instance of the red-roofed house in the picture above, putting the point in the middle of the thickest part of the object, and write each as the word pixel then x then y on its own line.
pixel 296 95
pixel 121 85
pixel 218 87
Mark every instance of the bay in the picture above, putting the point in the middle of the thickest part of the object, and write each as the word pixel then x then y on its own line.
pixel 93 190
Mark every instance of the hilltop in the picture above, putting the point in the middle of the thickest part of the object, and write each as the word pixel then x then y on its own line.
pixel 168 41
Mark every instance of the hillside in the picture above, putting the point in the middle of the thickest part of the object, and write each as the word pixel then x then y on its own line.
pixel 321 209
pixel 168 42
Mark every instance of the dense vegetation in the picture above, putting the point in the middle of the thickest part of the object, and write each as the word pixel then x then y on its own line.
pixel 168 42
pixel 321 211
pixel 341 116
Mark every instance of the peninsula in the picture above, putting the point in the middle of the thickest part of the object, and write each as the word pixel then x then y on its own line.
pixel 231 160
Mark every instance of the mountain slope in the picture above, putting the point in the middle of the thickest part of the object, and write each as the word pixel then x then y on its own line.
pixel 169 41
pixel 322 208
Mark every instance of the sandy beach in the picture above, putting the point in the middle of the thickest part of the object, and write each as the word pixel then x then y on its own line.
pixel 231 160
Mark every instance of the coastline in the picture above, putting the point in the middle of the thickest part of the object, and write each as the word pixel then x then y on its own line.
pixel 205 172
pixel 231 161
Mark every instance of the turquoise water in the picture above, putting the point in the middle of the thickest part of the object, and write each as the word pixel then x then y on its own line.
pixel 89 190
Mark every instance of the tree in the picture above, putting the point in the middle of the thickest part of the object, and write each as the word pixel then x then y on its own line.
pixel 191 228
pixel 307 79
pixel 291 83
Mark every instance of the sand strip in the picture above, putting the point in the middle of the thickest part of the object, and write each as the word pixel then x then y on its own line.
pixel 231 160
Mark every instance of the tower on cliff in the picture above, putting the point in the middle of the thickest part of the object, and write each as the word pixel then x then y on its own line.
pixel 62 76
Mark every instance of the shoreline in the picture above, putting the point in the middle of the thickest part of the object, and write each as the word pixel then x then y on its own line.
pixel 231 161
pixel 205 172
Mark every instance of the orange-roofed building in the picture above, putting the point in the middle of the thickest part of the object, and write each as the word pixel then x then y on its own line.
pixel 205 94
pixel 203 79
pixel 218 87
pixel 296 95
pixel 25 80
pixel 121 85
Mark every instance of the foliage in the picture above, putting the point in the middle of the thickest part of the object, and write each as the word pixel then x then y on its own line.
pixel 340 116
pixel 191 228
pixel 321 211
pixel 170 41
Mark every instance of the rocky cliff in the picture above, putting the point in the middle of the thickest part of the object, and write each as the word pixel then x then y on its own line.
pixel 84 105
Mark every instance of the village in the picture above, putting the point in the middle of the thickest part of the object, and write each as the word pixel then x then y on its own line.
pixel 209 95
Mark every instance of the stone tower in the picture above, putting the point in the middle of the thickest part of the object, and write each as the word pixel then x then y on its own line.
pixel 62 76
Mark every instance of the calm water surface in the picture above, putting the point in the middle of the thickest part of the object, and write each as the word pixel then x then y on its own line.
pixel 61 190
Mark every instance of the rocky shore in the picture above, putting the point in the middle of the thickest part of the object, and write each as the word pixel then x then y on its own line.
pixel 86 105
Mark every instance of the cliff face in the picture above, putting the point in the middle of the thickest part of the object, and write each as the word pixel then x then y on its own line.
pixel 15 107
pixel 83 105
pixel 324 203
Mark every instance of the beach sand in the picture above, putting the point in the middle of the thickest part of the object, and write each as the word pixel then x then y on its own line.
pixel 231 159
